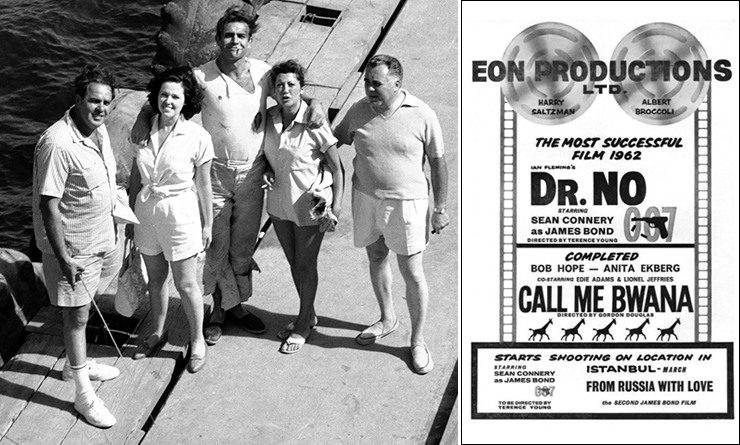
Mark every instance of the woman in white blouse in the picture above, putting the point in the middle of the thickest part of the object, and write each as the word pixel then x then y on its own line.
pixel 295 154
pixel 175 220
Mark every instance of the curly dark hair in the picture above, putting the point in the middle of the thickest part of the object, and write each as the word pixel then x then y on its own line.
pixel 183 75
pixel 237 14
pixel 94 74
pixel 289 66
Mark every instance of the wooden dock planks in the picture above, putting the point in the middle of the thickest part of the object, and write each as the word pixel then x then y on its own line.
pixel 346 47
pixel 48 321
pixel 300 42
pixel 23 375
pixel 33 394
pixel 32 388
pixel 50 413
pixel 274 20
pixel 133 395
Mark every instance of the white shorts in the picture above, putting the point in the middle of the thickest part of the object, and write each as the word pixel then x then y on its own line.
pixel 170 226
pixel 404 223
pixel 99 271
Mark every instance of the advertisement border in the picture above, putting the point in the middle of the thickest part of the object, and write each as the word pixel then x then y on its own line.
pixel 727 346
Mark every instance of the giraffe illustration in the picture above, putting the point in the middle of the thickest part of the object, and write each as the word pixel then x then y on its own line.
pixel 573 331
pixel 669 331
pixel 637 332
pixel 604 331
pixel 541 331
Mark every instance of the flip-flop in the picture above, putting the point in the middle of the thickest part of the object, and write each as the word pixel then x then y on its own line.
pixel 288 329
pixel 292 345
pixel 429 363
pixel 369 336
pixel 149 347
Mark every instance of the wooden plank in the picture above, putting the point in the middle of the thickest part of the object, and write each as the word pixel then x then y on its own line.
pixel 300 42
pixel 24 373
pixel 48 320
pixel 383 7
pixel 339 5
pixel 323 94
pixel 275 18
pixel 52 405
pixel 133 395
pixel 344 93
pixel 357 93
pixel 346 47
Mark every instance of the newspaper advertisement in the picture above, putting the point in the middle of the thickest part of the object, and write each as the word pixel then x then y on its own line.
pixel 600 239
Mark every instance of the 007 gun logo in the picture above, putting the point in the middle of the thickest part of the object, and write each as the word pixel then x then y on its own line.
pixel 652 226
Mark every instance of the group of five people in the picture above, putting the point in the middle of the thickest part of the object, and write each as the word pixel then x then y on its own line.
pixel 199 188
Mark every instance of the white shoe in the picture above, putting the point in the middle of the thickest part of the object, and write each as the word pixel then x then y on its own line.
pixel 95 411
pixel 96 371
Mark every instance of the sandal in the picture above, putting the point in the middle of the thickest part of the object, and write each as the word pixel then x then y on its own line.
pixel 292 345
pixel 284 333
pixel 150 347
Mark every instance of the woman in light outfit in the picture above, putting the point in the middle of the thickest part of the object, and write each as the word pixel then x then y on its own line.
pixel 294 154
pixel 177 156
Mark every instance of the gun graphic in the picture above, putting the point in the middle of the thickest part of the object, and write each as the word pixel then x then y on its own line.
pixel 656 221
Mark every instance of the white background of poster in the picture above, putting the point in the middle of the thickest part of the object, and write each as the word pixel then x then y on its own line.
pixel 486 29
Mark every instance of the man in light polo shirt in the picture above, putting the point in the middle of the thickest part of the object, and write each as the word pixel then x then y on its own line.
pixel 393 133
pixel 74 191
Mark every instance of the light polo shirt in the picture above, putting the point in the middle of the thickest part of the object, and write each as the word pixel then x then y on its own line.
pixel 294 153
pixel 169 169
pixel 390 151
pixel 70 167
pixel 228 110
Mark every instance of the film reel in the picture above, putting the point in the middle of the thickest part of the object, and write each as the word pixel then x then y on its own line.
pixel 554 98
pixel 661 98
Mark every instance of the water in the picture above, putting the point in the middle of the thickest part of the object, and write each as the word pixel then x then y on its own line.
pixel 43 46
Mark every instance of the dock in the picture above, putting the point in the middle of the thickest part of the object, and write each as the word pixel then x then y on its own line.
pixel 333 391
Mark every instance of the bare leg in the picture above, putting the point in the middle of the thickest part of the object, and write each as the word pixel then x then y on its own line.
pixel 301 246
pixel 157 269
pixel 184 274
pixel 381 278
pixel 75 342
pixel 417 294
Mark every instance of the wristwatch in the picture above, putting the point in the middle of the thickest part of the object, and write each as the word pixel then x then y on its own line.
pixel 441 211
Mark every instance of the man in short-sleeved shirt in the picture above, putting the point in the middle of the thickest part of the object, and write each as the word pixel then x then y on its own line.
pixel 393 133
pixel 73 198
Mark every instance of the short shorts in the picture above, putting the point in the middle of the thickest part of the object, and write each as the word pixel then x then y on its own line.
pixel 404 223
pixel 100 270
pixel 169 225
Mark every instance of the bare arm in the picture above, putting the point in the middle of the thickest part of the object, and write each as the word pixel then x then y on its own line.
pixel 264 169
pixel 203 187
pixel 53 225
pixel 143 125
pixel 438 168
pixel 316 113
pixel 337 187
pixel 134 187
